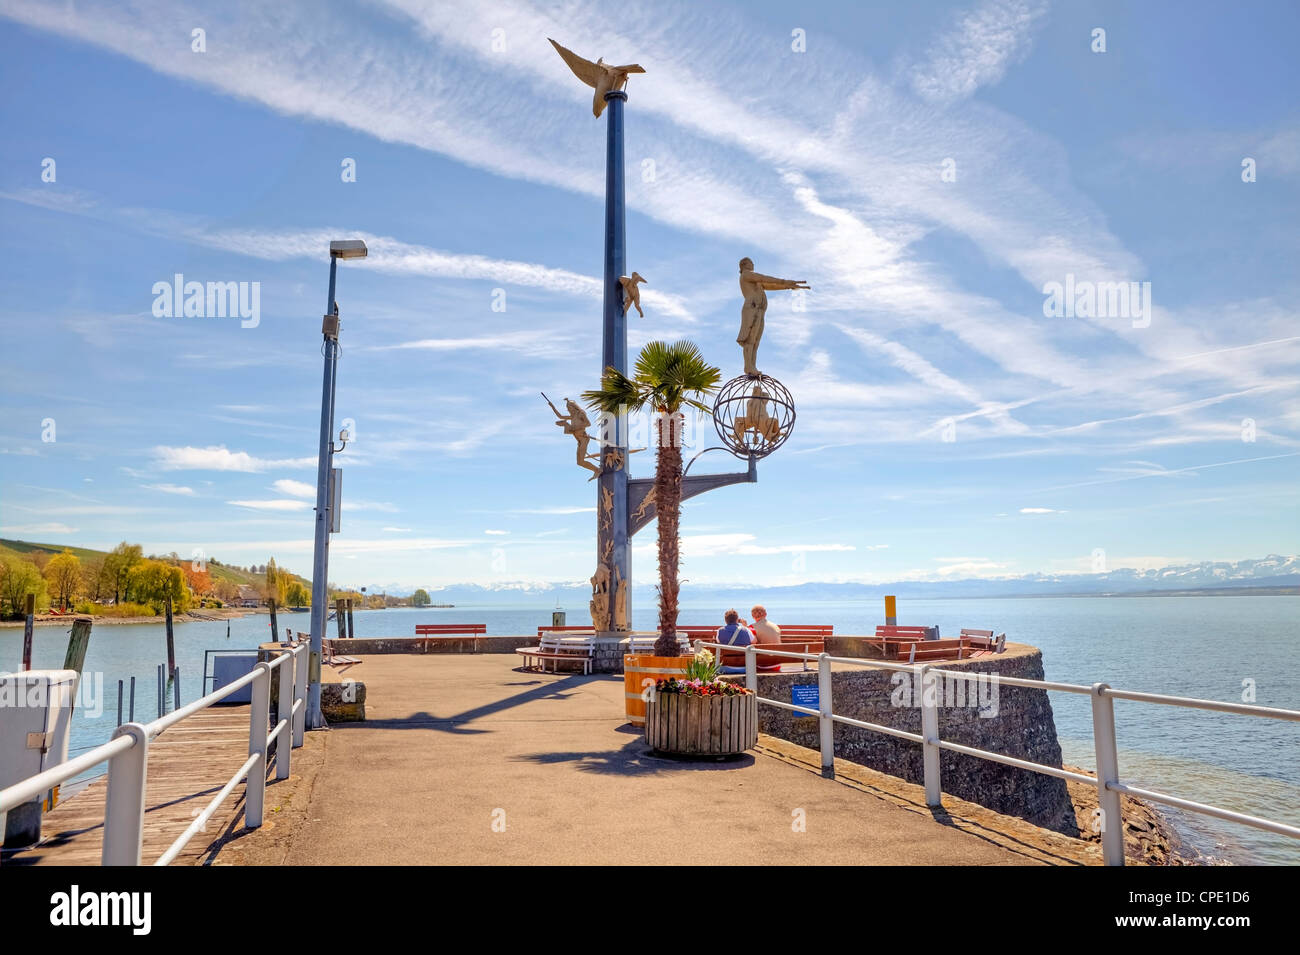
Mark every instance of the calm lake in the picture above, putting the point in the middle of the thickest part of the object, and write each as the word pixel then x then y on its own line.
pixel 1188 646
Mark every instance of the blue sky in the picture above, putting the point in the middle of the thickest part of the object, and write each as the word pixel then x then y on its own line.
pixel 947 426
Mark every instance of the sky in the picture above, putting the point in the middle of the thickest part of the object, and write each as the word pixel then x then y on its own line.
pixel 939 173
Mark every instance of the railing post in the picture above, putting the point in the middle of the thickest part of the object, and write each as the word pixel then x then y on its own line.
pixel 124 806
pixel 751 669
pixel 1103 738
pixel 300 692
pixel 930 733
pixel 258 718
pixel 284 712
pixel 827 724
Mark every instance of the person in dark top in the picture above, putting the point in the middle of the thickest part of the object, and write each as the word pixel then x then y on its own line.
pixel 734 635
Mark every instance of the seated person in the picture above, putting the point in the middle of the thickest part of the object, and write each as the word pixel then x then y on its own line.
pixel 764 630
pixel 733 635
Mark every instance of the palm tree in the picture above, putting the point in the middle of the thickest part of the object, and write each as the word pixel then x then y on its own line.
pixel 667 377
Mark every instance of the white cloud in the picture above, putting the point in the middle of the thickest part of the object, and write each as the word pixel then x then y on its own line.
pixel 369 506
pixel 49 528
pixel 218 458
pixel 282 504
pixel 1039 510
pixel 495 532
pixel 296 488
pixel 978 52
pixel 170 489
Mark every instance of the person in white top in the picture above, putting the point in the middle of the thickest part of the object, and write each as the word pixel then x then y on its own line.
pixel 764 630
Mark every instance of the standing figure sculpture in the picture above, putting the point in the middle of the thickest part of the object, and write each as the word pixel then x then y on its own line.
pixel 599 604
pixel 752 286
pixel 602 76
pixel 576 423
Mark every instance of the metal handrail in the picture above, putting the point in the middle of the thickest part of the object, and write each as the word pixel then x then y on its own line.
pixel 127 757
pixel 1109 787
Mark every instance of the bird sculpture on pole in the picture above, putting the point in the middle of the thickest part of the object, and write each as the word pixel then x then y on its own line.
pixel 601 76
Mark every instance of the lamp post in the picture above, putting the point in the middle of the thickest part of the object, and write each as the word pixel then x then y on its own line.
pixel 344 249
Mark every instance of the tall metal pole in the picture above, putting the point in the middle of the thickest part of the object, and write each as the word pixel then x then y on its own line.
pixel 320 551
pixel 613 480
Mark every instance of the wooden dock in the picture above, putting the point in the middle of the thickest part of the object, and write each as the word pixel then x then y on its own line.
pixel 188 764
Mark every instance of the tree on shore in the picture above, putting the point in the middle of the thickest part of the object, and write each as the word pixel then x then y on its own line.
pixel 227 591
pixel 94 581
pixel 18 578
pixel 296 595
pixel 118 564
pixel 153 581
pixel 420 598
pixel 667 378
pixel 63 574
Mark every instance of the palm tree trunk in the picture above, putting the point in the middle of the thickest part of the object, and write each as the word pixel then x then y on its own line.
pixel 668 508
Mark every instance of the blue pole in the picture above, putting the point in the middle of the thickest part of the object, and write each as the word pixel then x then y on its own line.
pixel 315 719
pixel 613 538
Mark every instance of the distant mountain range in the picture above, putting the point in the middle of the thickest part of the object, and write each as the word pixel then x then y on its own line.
pixel 1274 573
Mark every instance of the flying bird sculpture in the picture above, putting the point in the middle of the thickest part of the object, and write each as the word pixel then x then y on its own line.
pixel 631 292
pixel 600 75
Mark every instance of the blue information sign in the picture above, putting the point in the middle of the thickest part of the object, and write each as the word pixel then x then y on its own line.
pixel 806 694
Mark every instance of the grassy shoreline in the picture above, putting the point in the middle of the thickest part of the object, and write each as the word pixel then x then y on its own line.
pixel 209 614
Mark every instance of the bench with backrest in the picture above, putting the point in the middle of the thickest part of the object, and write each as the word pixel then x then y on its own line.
pixel 451 629
pixel 896 641
pixel 557 648
pixel 982 642
pixel 917 644
pixel 543 631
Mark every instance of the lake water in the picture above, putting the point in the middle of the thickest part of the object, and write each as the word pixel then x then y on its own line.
pixel 1186 646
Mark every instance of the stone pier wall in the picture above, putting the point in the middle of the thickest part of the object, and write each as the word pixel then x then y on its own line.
pixel 360 646
pixel 1015 721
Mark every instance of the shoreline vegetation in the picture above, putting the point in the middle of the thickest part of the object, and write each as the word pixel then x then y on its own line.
pixel 127 586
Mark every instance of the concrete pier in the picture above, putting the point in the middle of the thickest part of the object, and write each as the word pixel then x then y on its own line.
pixel 469 760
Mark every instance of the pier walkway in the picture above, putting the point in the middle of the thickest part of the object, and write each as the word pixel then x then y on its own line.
pixel 468 760
pixel 187 766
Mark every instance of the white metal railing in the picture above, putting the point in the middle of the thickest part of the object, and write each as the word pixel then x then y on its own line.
pixel 1103 696
pixel 127 754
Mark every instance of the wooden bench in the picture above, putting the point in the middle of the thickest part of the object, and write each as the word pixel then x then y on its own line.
pixel 557 648
pixel 331 659
pixel 982 642
pixel 451 629
pixel 895 641
pixel 917 644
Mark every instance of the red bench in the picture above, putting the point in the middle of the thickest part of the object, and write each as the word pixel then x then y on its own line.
pixel 451 629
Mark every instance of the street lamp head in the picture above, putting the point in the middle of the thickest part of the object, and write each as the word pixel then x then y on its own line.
pixel 348 249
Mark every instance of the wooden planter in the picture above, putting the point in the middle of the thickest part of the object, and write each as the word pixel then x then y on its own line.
pixel 689 725
pixel 641 670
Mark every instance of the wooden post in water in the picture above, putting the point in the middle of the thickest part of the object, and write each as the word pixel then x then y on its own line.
pixel 340 615
pixel 352 629
pixel 77 644
pixel 28 623
pixel 891 611
pixel 171 639
pixel 275 625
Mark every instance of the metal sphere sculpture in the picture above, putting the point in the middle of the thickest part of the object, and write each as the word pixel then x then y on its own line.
pixel 754 415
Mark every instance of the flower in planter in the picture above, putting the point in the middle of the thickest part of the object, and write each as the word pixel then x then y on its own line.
pixel 702 668
pixel 698 687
